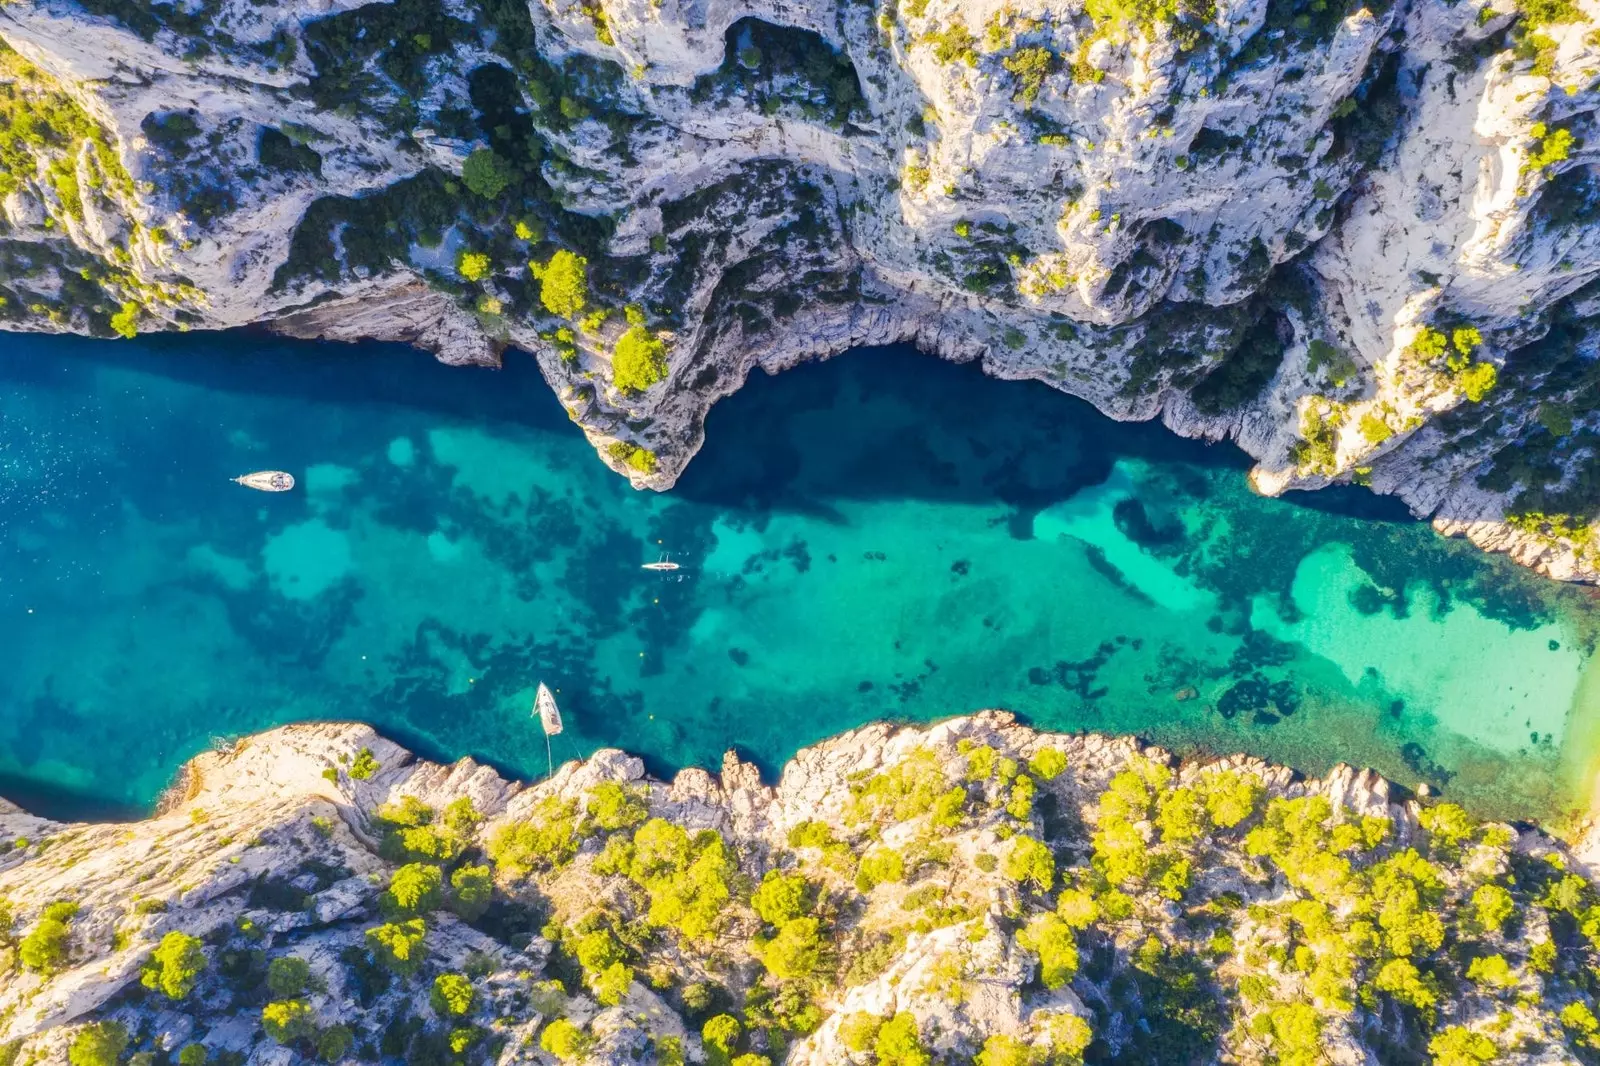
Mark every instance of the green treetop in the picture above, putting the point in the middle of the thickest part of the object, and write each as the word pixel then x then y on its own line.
pixel 719 1035
pixel 471 889
pixel 288 976
pixel 638 361
pixel 45 948
pixel 613 806
pixel 565 1041
pixel 452 995
pixel 486 174
pixel 414 889
pixel 288 1020
pixel 400 946
pixel 780 897
pixel 899 1043
pixel 1051 938
pixel 1029 860
pixel 175 965
pixel 98 1044
pixel 563 283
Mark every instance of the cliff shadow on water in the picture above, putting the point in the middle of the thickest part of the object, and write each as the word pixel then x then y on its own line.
pixel 884 535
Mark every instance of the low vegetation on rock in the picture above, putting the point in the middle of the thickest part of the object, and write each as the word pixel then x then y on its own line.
pixel 973 892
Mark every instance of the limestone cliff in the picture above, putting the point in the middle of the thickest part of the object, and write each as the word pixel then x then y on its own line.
pixel 969 891
pixel 1356 237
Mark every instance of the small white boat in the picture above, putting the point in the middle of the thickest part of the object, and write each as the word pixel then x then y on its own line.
pixel 544 706
pixel 549 715
pixel 267 481
pixel 663 563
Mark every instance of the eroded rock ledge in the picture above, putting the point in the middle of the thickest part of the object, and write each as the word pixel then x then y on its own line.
pixel 960 892
pixel 1358 238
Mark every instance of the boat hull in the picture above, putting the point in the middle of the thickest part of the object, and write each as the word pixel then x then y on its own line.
pixel 267 481
pixel 544 705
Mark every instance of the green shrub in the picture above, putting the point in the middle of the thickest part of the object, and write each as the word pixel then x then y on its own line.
pixel 486 174
pixel 719 1035
pixel 62 910
pixel 613 806
pixel 1477 381
pixel 1492 906
pixel 1001 1050
pixel 633 456
pixel 781 897
pixel 471 889
pixel 686 879
pixel 98 1044
pixel 859 1031
pixel 565 1041
pixel 288 1020
pixel 1047 763
pixel 1052 939
pixel 1031 66
pixel 474 266
pixel 44 949
pixel 1374 430
pixel 288 977
pixel 1029 860
pixel 953 42
pixel 899 1043
pixel 795 952
pixel 548 839
pixel 1460 1046
pixel 399 946
pixel 334 1043
pixel 125 323
pixel 563 283
pixel 611 984
pixel 414 889
pixel 638 361
pixel 175 966
pixel 364 766
pixel 1554 146
pixel 452 995
pixel 881 866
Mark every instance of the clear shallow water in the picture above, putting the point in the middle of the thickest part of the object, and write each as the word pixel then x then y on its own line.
pixel 884 535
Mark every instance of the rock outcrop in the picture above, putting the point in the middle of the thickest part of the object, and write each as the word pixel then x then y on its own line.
pixel 317 892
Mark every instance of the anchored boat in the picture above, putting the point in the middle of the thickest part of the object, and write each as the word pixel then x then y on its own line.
pixel 267 481
pixel 549 715
pixel 663 563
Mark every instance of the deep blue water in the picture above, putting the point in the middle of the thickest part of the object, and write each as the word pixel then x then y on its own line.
pixel 883 535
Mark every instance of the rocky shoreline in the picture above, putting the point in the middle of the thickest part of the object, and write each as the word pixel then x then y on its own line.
pixel 896 886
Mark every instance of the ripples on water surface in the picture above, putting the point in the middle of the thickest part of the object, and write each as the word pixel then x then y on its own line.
pixel 881 536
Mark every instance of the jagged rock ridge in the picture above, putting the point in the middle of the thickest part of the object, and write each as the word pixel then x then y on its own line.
pixel 969 891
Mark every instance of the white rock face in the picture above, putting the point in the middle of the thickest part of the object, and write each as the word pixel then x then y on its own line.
pixel 271 849
pixel 1250 222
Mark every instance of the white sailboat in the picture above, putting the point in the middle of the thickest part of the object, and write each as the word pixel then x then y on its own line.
pixel 266 481
pixel 663 563
pixel 549 715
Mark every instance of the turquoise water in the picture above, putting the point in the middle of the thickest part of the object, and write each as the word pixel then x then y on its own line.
pixel 883 535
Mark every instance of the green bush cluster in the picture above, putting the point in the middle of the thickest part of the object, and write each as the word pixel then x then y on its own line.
pixel 634 456
pixel 46 947
pixel 638 361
